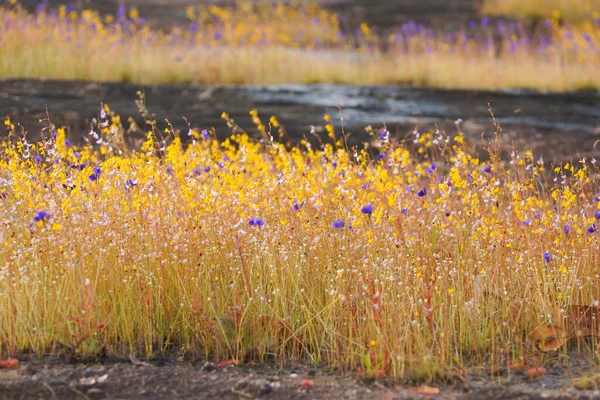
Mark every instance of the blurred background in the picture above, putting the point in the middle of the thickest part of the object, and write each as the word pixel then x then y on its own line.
pixel 409 64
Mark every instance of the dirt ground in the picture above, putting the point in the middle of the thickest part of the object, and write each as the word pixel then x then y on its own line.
pixel 170 379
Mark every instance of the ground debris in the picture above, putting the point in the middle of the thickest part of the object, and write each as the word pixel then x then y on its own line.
pixel 255 386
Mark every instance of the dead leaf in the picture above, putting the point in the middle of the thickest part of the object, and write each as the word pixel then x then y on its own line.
pixel 9 363
pixel 427 390
pixel 536 372
pixel 550 337
pixel 552 344
pixel 547 331
pixel 227 363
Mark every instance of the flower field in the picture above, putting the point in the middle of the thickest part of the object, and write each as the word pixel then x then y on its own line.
pixel 408 257
pixel 303 43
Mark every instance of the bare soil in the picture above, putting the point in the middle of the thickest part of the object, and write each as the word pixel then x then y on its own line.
pixel 167 378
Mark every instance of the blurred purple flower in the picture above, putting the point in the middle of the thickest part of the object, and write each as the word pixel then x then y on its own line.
pixel 368 209
pixel 130 183
pixel 41 215
pixel 255 221
pixel 384 135
pixel 338 224
pixel 547 257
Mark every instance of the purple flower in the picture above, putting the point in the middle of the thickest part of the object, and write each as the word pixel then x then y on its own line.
pixel 130 183
pixel 121 12
pixel 338 224
pixel 67 143
pixel 567 229
pixel 592 228
pixel 431 168
pixel 255 221
pixel 207 169
pixel 170 169
pixel 41 215
pixel 94 177
pixel 597 198
pixel 368 209
pixel 404 210
pixel 547 257
pixel 422 192
pixel 205 134
pixel 380 156
pixel 448 213
pixel 597 214
pixel 37 159
pixel 488 168
pixel 296 206
pixel 384 135
pixel 97 170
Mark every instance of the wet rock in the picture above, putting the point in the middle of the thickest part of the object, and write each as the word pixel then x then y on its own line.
pixel 208 367
pixel 256 387
pixel 557 126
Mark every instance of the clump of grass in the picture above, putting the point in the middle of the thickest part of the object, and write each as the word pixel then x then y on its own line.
pixel 414 260
pixel 571 11
pixel 294 44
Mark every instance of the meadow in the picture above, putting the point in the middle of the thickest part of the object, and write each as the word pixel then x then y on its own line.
pixel 408 257
pixel 416 256
pixel 257 43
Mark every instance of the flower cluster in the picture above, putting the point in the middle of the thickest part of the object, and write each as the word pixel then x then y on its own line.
pixel 309 250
